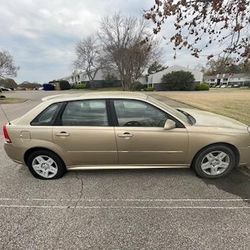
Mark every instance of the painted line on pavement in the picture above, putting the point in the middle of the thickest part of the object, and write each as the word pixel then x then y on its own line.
pixel 120 207
pixel 114 200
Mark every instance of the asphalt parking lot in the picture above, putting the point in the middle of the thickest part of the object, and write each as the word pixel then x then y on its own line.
pixel 119 209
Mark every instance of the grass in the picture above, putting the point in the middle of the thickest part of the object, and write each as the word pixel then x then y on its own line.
pixel 8 100
pixel 234 103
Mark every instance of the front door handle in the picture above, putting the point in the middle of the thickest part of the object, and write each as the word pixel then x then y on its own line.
pixel 125 135
pixel 62 133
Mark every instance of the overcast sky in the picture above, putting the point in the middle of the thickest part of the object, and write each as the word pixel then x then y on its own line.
pixel 41 34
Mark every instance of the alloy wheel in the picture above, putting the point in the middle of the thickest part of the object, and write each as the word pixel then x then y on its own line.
pixel 45 166
pixel 215 163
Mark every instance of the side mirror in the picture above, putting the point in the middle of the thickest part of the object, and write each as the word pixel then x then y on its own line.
pixel 169 124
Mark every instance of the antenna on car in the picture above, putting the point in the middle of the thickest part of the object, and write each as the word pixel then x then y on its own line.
pixel 1 107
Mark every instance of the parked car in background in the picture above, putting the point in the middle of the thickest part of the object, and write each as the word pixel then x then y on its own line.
pixel 124 130
pixel 5 89
pixel 236 85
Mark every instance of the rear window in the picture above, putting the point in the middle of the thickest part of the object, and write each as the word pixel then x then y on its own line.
pixel 48 116
pixel 85 113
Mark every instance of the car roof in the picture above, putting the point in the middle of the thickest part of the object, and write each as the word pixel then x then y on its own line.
pixel 95 95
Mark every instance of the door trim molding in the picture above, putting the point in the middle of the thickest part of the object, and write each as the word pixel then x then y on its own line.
pixel 134 166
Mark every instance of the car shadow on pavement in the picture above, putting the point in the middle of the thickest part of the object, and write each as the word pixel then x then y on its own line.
pixel 236 183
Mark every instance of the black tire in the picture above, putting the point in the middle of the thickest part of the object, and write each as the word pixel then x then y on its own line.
pixel 203 153
pixel 58 163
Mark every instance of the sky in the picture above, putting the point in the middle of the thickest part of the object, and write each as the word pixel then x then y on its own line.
pixel 42 34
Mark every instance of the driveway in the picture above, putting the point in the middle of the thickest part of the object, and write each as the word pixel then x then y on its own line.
pixel 120 209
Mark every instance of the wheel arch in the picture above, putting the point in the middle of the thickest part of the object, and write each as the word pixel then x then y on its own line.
pixel 31 150
pixel 231 146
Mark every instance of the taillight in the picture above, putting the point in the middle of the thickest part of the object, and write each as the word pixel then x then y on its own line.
pixel 6 134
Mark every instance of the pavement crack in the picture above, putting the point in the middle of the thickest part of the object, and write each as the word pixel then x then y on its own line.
pixel 80 195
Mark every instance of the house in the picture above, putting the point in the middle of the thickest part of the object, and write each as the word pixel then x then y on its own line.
pixel 79 76
pixel 228 80
pixel 155 79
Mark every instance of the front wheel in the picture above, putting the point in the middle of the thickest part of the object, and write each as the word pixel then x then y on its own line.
pixel 214 162
pixel 44 164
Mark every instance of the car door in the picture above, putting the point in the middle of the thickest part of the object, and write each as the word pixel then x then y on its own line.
pixel 142 139
pixel 85 135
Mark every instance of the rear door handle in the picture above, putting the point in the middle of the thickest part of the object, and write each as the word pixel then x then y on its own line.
pixel 125 135
pixel 62 133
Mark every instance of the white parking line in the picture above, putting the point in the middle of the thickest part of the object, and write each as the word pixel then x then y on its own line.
pixel 120 207
pixel 148 203
pixel 114 200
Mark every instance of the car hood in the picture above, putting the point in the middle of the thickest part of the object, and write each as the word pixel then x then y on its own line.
pixel 204 118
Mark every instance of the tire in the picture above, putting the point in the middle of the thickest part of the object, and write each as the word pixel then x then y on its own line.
pixel 45 165
pixel 214 162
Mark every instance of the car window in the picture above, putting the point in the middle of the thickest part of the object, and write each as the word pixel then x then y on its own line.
pixel 132 113
pixel 173 111
pixel 47 116
pixel 85 113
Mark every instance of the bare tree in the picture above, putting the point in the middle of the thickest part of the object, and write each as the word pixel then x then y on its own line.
pixel 7 65
pixel 125 48
pixel 196 24
pixel 88 57
pixel 226 65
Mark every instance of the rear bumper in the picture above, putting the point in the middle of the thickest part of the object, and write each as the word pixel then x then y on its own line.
pixel 14 153
pixel 245 156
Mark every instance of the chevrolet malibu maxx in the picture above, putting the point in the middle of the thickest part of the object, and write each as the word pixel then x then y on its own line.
pixel 124 131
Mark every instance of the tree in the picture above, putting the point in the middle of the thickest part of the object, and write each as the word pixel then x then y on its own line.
pixel 88 57
pixel 155 67
pixel 226 65
pixel 245 67
pixel 8 83
pixel 199 23
pixel 178 80
pixel 7 65
pixel 124 48
pixel 221 66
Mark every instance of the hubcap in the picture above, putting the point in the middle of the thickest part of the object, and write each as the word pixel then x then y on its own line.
pixel 215 163
pixel 45 166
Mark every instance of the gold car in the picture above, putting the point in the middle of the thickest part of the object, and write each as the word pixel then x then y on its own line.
pixel 124 131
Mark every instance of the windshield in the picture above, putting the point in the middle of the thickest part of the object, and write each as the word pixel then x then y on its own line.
pixel 171 110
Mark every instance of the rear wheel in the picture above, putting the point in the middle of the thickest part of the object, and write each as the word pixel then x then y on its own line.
pixel 44 164
pixel 214 162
